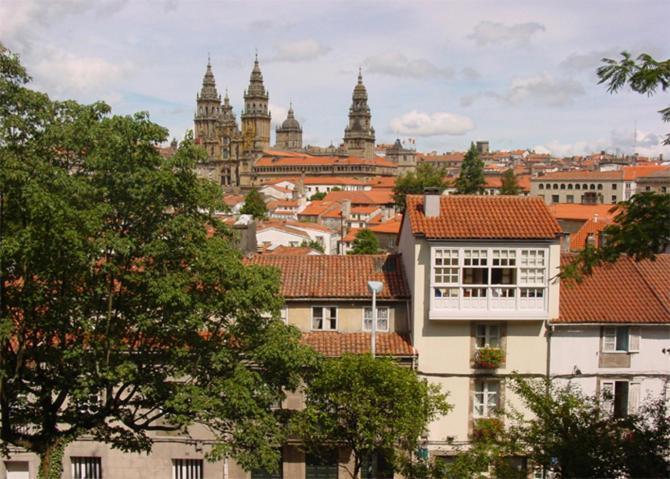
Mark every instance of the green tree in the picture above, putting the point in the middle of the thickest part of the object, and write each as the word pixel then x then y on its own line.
pixel 643 75
pixel 510 184
pixel 569 435
pixel 318 196
pixel 120 314
pixel 254 205
pixel 370 406
pixel 471 180
pixel 365 242
pixel 642 225
pixel 414 182
pixel 315 245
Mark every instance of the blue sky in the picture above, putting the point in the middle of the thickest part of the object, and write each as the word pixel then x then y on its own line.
pixel 520 74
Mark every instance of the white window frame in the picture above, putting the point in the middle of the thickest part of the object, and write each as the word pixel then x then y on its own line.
pixel 86 467
pixel 608 390
pixel 488 391
pixel 528 294
pixel 611 336
pixel 488 335
pixel 367 327
pixel 337 313
pixel 188 468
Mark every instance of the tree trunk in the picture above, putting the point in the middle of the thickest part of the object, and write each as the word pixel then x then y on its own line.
pixel 51 460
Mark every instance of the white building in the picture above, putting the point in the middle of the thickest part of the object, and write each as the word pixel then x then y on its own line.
pixel 271 234
pixel 613 333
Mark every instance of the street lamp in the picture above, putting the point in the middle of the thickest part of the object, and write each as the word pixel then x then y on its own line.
pixel 375 287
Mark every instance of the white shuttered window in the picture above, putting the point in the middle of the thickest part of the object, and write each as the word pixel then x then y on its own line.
pixel 86 467
pixel 187 469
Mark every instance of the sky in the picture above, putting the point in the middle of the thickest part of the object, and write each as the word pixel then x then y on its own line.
pixel 520 74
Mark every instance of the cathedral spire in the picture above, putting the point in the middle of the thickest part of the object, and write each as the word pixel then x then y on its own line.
pixel 208 90
pixel 359 135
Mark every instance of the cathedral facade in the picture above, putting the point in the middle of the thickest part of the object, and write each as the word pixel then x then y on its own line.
pixel 234 151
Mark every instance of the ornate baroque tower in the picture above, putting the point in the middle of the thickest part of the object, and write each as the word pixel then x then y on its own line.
pixel 359 136
pixel 208 110
pixel 289 135
pixel 256 117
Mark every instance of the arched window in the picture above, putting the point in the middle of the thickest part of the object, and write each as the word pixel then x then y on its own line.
pixel 555 186
pixel 541 186
pixel 562 186
pixel 569 186
pixel 578 186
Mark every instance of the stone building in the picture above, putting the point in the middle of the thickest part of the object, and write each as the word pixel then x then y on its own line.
pixel 405 158
pixel 289 134
pixel 359 135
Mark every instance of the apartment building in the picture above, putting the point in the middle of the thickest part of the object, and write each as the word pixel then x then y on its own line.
pixel 613 333
pixel 482 273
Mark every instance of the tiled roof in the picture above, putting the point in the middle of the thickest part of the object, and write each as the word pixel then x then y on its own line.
pixel 391 226
pixel 570 211
pixel 622 292
pixel 232 200
pixel 333 344
pixel 281 227
pixel 483 217
pixel 634 172
pixel 320 207
pixel 282 250
pixel 319 180
pixel 365 210
pixel 310 226
pixel 590 227
pixel 373 197
pixel 495 181
pixel 382 182
pixel 338 276
pixel 455 156
pixel 294 160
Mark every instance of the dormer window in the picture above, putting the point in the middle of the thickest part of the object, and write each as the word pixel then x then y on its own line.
pixel 488 279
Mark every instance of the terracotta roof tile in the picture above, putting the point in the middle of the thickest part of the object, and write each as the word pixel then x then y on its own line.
pixel 483 217
pixel 333 344
pixel 338 276
pixel 581 175
pixel 390 226
pixel 622 292
pixel 373 197
pixel 282 250
pixel 590 227
pixel 570 211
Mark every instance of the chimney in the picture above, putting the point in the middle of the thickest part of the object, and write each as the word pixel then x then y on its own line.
pixel 346 209
pixel 431 202
pixel 595 218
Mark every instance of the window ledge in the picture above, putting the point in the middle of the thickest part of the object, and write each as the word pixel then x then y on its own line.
pixel 446 314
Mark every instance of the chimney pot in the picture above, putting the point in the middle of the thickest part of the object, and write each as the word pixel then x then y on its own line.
pixel 431 202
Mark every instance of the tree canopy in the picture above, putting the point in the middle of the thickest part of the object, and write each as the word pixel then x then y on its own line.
pixel 471 179
pixel 414 182
pixel 371 406
pixel 642 74
pixel 124 309
pixel 365 242
pixel 254 205
pixel 315 245
pixel 510 184
pixel 570 435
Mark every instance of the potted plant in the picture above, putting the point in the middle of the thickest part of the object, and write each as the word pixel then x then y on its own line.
pixel 487 429
pixel 489 358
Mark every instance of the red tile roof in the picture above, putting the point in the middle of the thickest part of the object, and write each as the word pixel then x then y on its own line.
pixel 391 226
pixel 634 172
pixel 483 217
pixel 338 276
pixel 590 227
pixel 622 292
pixel 569 211
pixel 282 250
pixel 303 160
pixel 373 197
pixel 333 344
pixel 581 175
pixel 320 207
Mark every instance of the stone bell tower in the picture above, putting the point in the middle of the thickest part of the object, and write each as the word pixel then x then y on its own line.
pixel 359 135
pixel 256 117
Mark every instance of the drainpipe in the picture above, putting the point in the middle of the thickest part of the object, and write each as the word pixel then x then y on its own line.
pixel 550 330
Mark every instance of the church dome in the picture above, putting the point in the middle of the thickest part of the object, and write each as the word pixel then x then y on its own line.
pixel 291 123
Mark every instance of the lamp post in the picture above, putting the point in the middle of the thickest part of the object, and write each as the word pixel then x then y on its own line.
pixel 375 287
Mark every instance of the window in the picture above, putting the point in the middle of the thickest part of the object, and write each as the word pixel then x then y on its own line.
pixel 570 199
pixel 376 466
pixel 17 470
pixel 621 339
pixel 555 199
pixel 614 185
pixel 86 467
pixel 647 188
pixel 600 186
pixel 324 318
pixel 382 318
pixel 321 466
pixel 620 397
pixel 614 199
pixel 577 186
pixel 262 474
pixel 489 278
pixel 187 469
pixel 283 314
pixel 486 398
pixel 555 186
pixel 562 186
pixel 487 336
pixel 541 186
pixel 569 186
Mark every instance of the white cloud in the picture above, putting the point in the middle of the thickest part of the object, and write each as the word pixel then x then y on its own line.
pixel 278 113
pixel 21 20
pixel 620 142
pixel 397 64
pixel 470 74
pixel 577 62
pixel 65 73
pixel 299 51
pixel 415 123
pixel 496 33
pixel 543 88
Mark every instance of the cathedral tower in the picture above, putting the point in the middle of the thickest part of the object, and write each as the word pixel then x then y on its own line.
pixel 359 136
pixel 289 135
pixel 208 110
pixel 256 117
